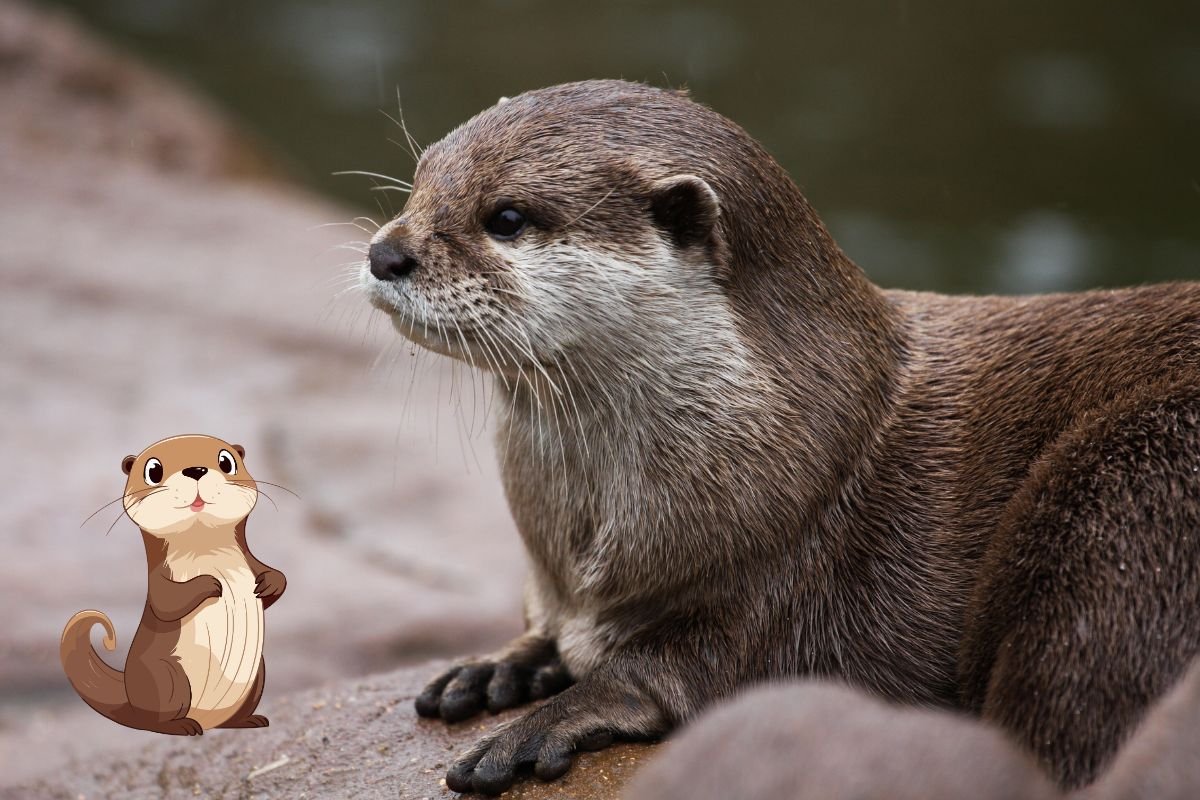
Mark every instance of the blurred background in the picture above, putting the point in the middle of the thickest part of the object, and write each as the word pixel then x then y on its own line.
pixel 986 147
pixel 175 253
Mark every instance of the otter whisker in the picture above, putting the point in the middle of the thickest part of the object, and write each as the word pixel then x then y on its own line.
pixel 575 405
pixel 528 351
pixel 417 354
pixel 271 499
pixel 502 290
pixel 395 181
pixel 495 361
pixel 268 483
pixel 459 414
pixel 133 505
pixel 414 148
pixel 119 499
pixel 457 396
pixel 473 372
pixel 592 207
pixel 355 225
pixel 402 189
pixel 535 395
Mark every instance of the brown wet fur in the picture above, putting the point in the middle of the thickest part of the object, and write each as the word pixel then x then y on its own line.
pixel 983 503
pixel 153 693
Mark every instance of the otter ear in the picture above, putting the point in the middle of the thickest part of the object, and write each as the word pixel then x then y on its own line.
pixel 241 451
pixel 127 464
pixel 686 207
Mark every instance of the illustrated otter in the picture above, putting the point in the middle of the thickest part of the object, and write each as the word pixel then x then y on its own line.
pixel 732 458
pixel 196 660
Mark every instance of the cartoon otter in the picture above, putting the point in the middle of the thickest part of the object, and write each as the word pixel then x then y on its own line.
pixel 196 659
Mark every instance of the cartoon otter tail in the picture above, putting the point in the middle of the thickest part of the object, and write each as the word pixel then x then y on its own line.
pixel 100 686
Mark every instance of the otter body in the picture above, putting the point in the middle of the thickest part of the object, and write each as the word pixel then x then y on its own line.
pixel 220 643
pixel 196 661
pixel 732 458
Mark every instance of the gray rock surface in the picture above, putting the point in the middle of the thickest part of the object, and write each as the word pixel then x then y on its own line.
pixel 358 739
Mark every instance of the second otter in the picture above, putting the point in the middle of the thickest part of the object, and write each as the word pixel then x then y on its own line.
pixel 196 660
pixel 731 457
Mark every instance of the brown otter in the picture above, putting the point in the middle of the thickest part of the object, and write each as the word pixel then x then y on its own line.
pixel 817 740
pixel 196 660
pixel 732 458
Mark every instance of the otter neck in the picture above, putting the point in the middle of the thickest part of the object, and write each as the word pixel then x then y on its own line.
pixel 198 538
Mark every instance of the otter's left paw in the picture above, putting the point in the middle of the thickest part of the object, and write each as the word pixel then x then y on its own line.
pixel 270 585
pixel 545 739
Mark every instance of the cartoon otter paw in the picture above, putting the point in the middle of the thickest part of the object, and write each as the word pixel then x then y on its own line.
pixel 252 721
pixel 270 584
pixel 207 586
pixel 183 727
pixel 466 689
pixel 545 740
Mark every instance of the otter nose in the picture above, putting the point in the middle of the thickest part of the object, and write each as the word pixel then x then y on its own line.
pixel 196 473
pixel 390 262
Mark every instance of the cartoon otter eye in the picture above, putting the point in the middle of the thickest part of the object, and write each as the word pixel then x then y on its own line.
pixel 226 463
pixel 153 472
pixel 507 223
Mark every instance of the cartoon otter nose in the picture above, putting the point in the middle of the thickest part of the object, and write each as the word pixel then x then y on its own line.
pixel 196 473
pixel 390 262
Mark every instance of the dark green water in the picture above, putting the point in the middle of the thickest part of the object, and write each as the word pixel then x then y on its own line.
pixel 1014 147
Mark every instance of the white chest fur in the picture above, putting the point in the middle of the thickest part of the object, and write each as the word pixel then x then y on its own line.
pixel 220 643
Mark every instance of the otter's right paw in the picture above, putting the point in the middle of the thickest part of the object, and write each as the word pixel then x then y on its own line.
pixel 208 586
pixel 466 689
pixel 182 727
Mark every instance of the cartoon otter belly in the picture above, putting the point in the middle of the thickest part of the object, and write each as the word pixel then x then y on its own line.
pixel 220 643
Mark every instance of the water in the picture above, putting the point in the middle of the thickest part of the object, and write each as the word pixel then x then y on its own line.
pixel 987 147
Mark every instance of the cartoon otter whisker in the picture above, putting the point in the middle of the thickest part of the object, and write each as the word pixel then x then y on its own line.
pixel 109 503
pixel 260 481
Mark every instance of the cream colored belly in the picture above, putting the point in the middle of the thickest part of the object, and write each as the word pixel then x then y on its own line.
pixel 220 643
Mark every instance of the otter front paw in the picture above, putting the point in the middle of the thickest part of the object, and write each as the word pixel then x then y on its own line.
pixel 269 586
pixel 206 586
pixel 545 739
pixel 532 671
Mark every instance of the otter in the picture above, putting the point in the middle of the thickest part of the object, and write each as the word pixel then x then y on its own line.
pixel 732 458
pixel 196 660
pixel 815 739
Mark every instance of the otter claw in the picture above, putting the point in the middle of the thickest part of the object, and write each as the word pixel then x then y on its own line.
pixel 466 689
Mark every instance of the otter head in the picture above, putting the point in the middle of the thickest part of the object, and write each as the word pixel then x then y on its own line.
pixel 187 481
pixel 592 217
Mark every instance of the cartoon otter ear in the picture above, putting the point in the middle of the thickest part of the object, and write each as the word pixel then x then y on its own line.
pixel 241 451
pixel 127 464
pixel 686 207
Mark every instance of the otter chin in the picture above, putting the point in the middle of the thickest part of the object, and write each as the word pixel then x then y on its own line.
pixel 732 458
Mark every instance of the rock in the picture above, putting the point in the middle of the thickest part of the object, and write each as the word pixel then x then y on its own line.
pixel 359 739
pixel 818 740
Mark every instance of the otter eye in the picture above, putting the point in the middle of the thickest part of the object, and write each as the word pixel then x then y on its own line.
pixel 153 472
pixel 226 463
pixel 507 223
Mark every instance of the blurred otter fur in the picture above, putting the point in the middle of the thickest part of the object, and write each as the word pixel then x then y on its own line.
pixel 828 742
